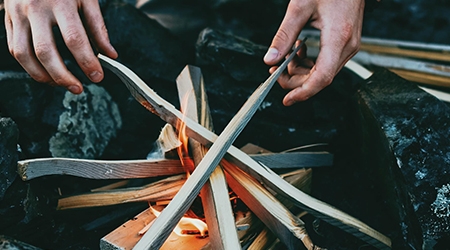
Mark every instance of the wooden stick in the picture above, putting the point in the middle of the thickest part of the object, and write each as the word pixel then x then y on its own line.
pixel 98 169
pixel 121 169
pixel 170 216
pixel 215 197
pixel 160 190
pixel 427 51
pixel 425 78
pixel 396 56
pixel 288 228
pixel 111 186
pixel 153 102
pixel 364 73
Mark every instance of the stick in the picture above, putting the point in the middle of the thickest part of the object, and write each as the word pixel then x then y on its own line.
pixel 149 99
pixel 97 169
pixel 287 227
pixel 121 169
pixel 428 51
pixel 215 197
pixel 160 190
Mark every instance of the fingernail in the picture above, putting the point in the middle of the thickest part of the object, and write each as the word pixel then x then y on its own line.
pixel 112 49
pixel 290 102
pixel 95 76
pixel 271 55
pixel 74 89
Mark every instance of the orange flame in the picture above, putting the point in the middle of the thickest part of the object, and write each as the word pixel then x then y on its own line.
pixel 183 150
pixel 186 227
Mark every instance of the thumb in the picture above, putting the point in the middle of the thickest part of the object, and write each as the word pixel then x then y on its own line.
pixel 290 28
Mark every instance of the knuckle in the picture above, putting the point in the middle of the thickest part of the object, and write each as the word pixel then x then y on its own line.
pixel 326 77
pixel 59 80
pixel 88 63
pixel 33 4
pixel 43 51
pixel 11 50
pixel 40 77
pixel 282 35
pixel 73 38
pixel 20 53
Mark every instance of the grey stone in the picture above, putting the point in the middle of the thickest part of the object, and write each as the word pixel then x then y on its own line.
pixel 404 142
pixel 90 120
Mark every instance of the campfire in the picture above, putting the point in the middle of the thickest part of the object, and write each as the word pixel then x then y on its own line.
pixel 377 148
pixel 265 193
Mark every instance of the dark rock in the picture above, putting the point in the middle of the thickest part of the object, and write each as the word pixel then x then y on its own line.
pixel 144 45
pixel 8 153
pixel 404 143
pixel 13 244
pixel 234 54
pixel 87 124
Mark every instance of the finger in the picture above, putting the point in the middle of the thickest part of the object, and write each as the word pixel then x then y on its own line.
pixel 96 28
pixel 330 60
pixel 288 81
pixel 23 52
pixel 77 42
pixel 301 93
pixel 9 32
pixel 296 62
pixel 294 20
pixel 47 54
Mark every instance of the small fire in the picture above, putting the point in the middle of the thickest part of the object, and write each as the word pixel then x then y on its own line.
pixel 186 227
pixel 183 150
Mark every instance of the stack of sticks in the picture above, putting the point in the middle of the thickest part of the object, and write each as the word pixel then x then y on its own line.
pixel 269 196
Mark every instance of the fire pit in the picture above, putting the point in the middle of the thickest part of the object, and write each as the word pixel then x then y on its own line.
pixel 130 132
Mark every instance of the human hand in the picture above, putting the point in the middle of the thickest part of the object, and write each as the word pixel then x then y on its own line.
pixel 340 23
pixel 31 42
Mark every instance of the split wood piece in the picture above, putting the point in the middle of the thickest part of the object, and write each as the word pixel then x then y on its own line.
pixel 398 63
pixel 166 111
pixel 128 234
pixel 300 179
pixel 161 190
pixel 98 169
pixel 288 228
pixel 428 73
pixel 128 169
pixel 111 186
pixel 170 216
pixel 264 238
pixel 427 51
pixel 215 198
pixel 291 160
pixel 419 77
pixel 364 73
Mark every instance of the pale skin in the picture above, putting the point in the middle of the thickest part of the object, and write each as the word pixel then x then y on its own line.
pixel 29 27
pixel 29 33
pixel 340 23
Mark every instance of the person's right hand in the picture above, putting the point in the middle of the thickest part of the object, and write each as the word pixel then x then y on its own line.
pixel 31 41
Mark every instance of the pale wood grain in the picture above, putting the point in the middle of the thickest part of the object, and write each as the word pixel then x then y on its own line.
pixel 98 169
pixel 127 235
pixel 288 228
pixel 160 190
pixel 215 197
